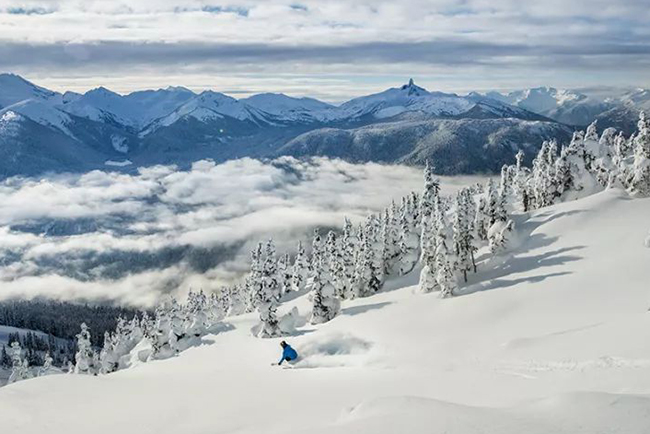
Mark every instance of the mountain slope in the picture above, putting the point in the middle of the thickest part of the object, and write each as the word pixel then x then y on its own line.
pixel 553 340
pixel 453 145
pixel 174 125
pixel 14 89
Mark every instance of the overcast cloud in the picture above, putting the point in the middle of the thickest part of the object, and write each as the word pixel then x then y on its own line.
pixel 105 236
pixel 334 49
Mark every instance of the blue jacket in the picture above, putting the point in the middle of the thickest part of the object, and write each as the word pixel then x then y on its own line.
pixel 288 353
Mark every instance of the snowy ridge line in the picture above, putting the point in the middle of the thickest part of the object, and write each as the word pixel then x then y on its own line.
pixel 439 235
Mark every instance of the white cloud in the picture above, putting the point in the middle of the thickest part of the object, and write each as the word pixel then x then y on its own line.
pixel 248 46
pixel 132 238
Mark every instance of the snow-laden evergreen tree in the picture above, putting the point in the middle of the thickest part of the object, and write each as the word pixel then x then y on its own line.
pixel 325 303
pixel 428 281
pixel 463 237
pixel 390 231
pixel 431 192
pixel 253 283
pixel 268 295
pixel 108 357
pixel 574 179
pixel 237 301
pixel 544 180
pixel 444 257
pixel 197 323
pixel 299 269
pixel 285 274
pixel 343 270
pixel 373 231
pixel 19 366
pixel 218 305
pixel 640 184
pixel 481 218
pixel 603 164
pixel 622 161
pixel 160 334
pixel 85 357
pixel 499 235
pixel 47 367
pixel 366 276
pixel 409 239
pixel 179 322
pixel 521 188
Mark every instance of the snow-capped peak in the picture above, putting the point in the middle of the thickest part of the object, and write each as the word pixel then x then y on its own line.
pixel 412 89
pixel 14 89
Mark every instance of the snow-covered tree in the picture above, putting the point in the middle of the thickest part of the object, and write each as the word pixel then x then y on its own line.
pixel 431 192
pixel 285 274
pixel 299 269
pixel 160 333
pixel 521 188
pixel 640 183
pixel 390 234
pixel 325 304
pixel 47 367
pixel 237 301
pixel 444 258
pixel 268 294
pixel 499 235
pixel 463 237
pixel 19 366
pixel 197 324
pixel 343 271
pixel 428 281
pixel 409 239
pixel 367 275
pixel 85 357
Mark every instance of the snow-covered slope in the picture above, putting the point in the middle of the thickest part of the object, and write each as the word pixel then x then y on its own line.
pixel 14 89
pixel 563 105
pixel 43 113
pixel 408 97
pixel 287 109
pixel 555 339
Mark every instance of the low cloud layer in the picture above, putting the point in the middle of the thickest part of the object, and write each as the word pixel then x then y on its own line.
pixel 106 236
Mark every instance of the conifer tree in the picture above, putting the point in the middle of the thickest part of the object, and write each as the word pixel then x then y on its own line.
pixel 521 188
pixel 428 281
pixel 47 365
pixel 299 269
pixel 430 193
pixel 285 274
pixel 409 240
pixel 366 278
pixel 19 366
pixel 641 169
pixel 345 265
pixel 85 357
pixel 444 257
pixel 325 304
pixel 268 295
pixel 237 301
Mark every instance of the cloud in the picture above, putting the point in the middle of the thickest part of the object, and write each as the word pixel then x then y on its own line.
pixel 132 238
pixel 370 42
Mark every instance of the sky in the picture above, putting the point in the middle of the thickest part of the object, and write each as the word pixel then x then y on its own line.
pixel 332 50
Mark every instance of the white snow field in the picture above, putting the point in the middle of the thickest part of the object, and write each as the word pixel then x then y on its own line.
pixel 553 340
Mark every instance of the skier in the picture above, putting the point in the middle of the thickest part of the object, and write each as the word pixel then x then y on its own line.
pixel 288 353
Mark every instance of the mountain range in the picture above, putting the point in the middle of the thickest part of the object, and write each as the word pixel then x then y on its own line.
pixel 46 131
